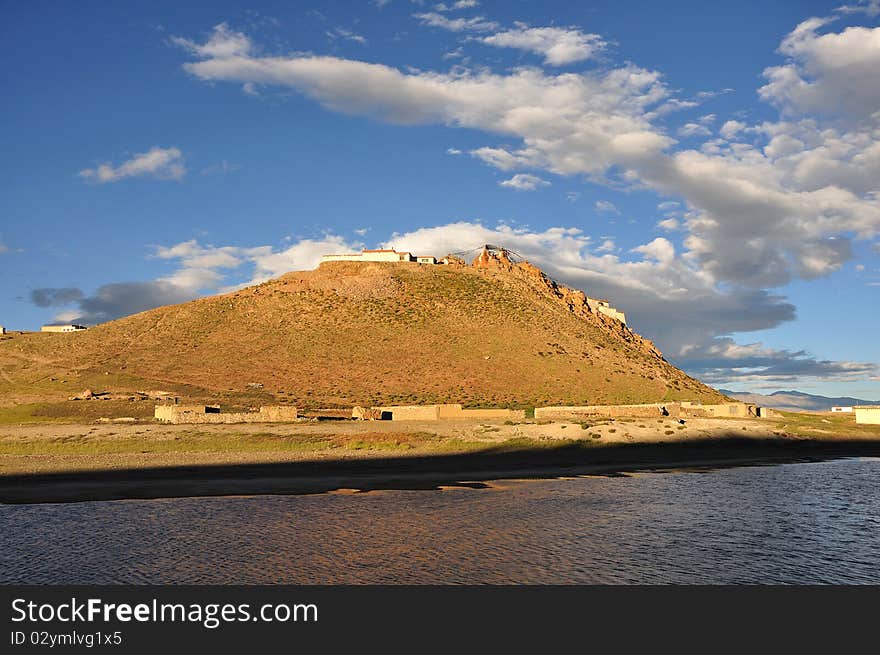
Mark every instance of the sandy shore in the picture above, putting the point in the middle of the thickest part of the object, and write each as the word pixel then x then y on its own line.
pixel 155 461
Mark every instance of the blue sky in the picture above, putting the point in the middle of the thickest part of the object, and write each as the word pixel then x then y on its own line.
pixel 711 170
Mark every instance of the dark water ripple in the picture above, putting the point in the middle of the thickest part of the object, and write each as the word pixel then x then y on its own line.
pixel 795 523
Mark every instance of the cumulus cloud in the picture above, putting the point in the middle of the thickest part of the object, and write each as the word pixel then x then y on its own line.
pixel 668 224
pixel 659 249
pixel 694 129
pixel 524 182
pixel 160 163
pixel 607 245
pixel 833 74
pixel 558 45
pixel 791 214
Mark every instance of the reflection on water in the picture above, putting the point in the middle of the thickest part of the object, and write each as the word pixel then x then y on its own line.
pixel 795 523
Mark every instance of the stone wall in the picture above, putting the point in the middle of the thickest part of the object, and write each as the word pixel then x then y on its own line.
pixel 722 410
pixel 653 410
pixel 411 412
pixel 206 414
pixel 445 412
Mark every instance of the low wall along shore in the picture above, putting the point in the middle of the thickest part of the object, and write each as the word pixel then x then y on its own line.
pixel 608 411
pixel 441 413
pixel 212 414
pixel 672 409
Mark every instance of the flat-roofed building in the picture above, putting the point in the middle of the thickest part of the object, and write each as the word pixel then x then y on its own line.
pixel 380 255
pixel 70 327
pixel 841 410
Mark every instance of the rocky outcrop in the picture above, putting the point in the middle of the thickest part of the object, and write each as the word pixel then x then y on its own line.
pixel 575 300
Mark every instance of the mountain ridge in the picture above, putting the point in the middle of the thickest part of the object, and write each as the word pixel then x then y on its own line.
pixel 797 400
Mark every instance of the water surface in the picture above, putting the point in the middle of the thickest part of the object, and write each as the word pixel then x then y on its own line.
pixel 791 523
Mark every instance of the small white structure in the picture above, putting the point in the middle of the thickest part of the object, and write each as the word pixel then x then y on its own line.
pixel 2 330
pixel 382 255
pixel 604 307
pixel 841 410
pixel 71 327
pixel 867 414
pixel 389 255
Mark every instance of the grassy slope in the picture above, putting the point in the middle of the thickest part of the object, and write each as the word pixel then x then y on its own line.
pixel 356 334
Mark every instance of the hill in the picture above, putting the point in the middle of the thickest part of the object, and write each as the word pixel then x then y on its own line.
pixel 503 334
pixel 798 401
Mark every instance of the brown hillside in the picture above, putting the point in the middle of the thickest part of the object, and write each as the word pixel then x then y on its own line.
pixel 363 333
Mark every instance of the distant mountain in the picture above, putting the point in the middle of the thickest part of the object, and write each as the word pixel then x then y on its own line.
pixel 797 401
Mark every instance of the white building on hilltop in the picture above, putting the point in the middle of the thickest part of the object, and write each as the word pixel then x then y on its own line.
pixel 71 327
pixel 387 255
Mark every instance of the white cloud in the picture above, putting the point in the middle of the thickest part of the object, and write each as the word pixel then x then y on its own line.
pixel 474 24
pixel 668 205
pixel 222 43
pixel 659 249
pixel 730 129
pixel 454 151
pixel 573 196
pixel 559 46
pixel 161 163
pixel 524 182
pixel 668 224
pixel 348 35
pixel 607 207
pixel 757 214
pixel 836 74
pixel 868 7
pixel 607 245
pixel 694 129
pixel 460 4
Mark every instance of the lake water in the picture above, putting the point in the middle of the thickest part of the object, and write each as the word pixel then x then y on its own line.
pixel 792 523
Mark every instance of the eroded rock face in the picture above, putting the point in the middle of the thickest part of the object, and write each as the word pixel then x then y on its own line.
pixel 575 300
pixel 493 259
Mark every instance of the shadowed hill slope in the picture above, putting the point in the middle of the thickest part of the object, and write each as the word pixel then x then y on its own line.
pixel 363 333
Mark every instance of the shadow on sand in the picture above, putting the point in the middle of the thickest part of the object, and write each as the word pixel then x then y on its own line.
pixel 419 472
